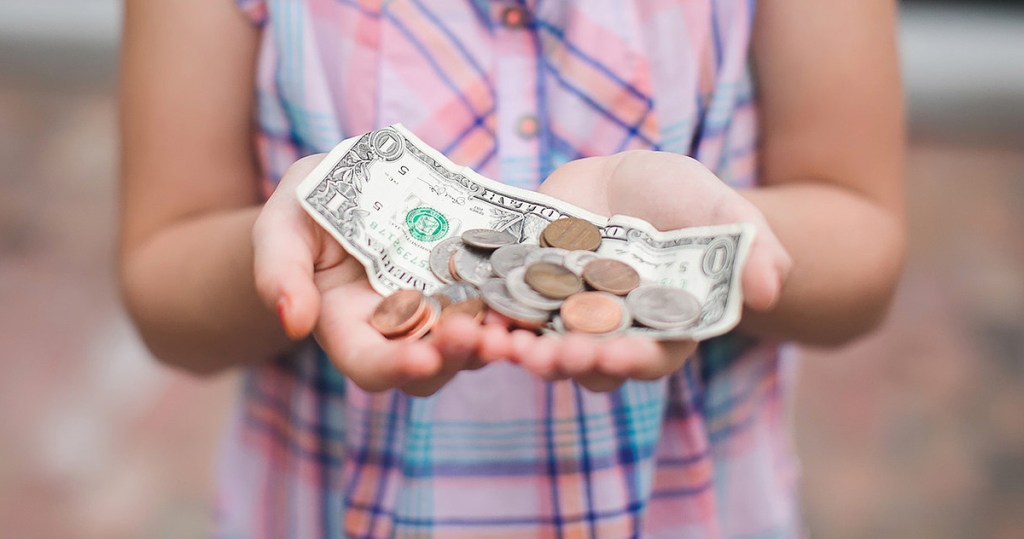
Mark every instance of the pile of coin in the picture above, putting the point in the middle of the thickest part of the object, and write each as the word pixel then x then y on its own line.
pixel 561 284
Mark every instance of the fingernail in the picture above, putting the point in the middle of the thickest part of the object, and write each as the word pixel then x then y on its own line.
pixel 775 281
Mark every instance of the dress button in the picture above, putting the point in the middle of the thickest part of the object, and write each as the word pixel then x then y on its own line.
pixel 513 17
pixel 527 126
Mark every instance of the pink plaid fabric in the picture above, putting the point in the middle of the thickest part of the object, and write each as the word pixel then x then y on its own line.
pixel 513 88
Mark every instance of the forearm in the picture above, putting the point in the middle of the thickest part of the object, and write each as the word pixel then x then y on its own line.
pixel 189 288
pixel 847 258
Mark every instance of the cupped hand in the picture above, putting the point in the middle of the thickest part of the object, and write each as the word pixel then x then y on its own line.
pixel 670 191
pixel 317 288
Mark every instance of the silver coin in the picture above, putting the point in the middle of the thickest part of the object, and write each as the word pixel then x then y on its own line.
pixel 525 294
pixel 458 292
pixel 663 307
pixel 496 296
pixel 627 316
pixel 472 265
pixel 546 254
pixel 510 257
pixel 483 238
pixel 439 257
pixel 576 260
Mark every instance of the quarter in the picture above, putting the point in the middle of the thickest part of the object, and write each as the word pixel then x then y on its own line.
pixel 663 307
pixel 483 238
pixel 510 257
pixel 471 265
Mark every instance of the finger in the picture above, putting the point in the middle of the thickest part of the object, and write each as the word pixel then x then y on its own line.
pixel 643 359
pixel 283 261
pixel 599 382
pixel 522 342
pixel 540 358
pixel 495 343
pixel 577 354
pixel 767 267
pixel 457 339
pixel 593 172
pixel 284 244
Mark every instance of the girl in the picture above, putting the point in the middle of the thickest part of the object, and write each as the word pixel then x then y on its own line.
pixel 789 109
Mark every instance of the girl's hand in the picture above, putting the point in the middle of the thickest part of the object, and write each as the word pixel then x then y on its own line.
pixel 670 191
pixel 316 287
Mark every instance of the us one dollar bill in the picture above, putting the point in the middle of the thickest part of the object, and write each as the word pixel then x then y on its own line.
pixel 389 198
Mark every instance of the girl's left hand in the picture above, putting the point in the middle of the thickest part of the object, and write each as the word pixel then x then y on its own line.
pixel 669 191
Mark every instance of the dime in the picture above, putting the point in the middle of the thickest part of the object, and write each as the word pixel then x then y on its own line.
pixel 663 307
pixel 523 293
pixel 572 234
pixel 576 260
pixel 471 265
pixel 552 280
pixel 496 295
pixel 426 323
pixel 399 312
pixel 439 257
pixel 546 254
pixel 509 257
pixel 456 293
pixel 474 308
pixel 609 275
pixel 483 238
pixel 592 312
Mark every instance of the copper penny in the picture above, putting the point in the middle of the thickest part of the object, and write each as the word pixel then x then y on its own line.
pixel 474 308
pixel 572 234
pixel 399 312
pixel 552 280
pixel 592 312
pixel 451 269
pixel 426 323
pixel 609 275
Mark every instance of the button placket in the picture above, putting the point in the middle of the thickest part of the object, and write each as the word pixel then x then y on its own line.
pixel 516 84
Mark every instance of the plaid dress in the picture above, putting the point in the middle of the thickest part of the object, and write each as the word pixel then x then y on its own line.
pixel 512 88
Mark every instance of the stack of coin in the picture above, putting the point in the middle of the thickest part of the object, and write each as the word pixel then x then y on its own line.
pixel 560 283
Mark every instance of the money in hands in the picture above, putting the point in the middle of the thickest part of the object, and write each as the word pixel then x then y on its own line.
pixel 438 239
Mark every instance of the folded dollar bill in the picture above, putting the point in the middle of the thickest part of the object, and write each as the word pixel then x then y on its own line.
pixel 389 198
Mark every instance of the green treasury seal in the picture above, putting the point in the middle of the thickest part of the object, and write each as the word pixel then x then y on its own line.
pixel 426 224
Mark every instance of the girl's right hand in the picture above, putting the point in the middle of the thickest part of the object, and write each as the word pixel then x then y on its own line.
pixel 316 287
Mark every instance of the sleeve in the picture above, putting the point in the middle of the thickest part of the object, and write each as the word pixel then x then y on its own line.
pixel 254 10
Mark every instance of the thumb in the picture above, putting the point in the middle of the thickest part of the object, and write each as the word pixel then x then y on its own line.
pixel 285 250
pixel 767 268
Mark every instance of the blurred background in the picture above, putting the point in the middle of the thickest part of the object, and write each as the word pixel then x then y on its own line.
pixel 915 431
